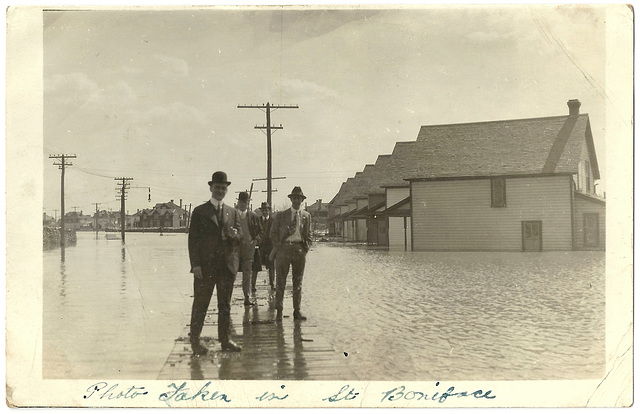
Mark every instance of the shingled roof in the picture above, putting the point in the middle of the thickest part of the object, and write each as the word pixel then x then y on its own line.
pixel 403 163
pixel 514 147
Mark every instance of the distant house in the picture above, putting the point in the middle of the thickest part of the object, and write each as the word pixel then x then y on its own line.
pixel 519 185
pixel 48 221
pixel 166 215
pixel 319 213
pixel 74 220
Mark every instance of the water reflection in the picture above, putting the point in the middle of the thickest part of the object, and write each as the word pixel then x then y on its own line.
pixel 63 277
pixel 299 363
pixel 196 368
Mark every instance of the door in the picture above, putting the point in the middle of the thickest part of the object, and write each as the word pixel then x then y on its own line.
pixel 532 236
pixel 591 229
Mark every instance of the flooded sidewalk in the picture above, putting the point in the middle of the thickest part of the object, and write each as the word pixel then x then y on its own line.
pixel 122 311
pixel 285 350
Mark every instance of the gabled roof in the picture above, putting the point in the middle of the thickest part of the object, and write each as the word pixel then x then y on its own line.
pixel 548 145
pixel 403 163
pixel 398 208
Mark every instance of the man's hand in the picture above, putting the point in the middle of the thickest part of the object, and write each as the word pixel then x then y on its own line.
pixel 197 272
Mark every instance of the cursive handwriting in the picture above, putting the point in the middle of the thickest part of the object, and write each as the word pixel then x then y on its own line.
pixel 182 393
pixel 266 396
pixel 343 395
pixel 110 393
pixel 399 393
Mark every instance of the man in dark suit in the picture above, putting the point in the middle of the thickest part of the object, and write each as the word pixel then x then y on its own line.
pixel 251 237
pixel 291 236
pixel 214 236
pixel 265 247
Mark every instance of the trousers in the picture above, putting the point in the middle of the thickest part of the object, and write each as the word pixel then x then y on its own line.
pixel 202 291
pixel 294 256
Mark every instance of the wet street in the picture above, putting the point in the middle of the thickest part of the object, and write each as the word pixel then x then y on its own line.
pixel 114 311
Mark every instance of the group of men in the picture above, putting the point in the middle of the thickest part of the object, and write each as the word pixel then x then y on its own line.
pixel 223 239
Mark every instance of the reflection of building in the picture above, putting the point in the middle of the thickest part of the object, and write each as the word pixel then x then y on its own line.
pixel 319 212
pixel 520 185
pixel 165 215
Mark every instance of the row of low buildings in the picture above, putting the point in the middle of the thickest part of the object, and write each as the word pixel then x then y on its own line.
pixel 162 215
pixel 515 185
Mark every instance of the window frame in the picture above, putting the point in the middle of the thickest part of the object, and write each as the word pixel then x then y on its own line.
pixel 503 201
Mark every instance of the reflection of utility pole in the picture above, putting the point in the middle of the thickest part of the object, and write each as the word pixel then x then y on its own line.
pixel 269 127
pixel 96 204
pixel 124 186
pixel 63 163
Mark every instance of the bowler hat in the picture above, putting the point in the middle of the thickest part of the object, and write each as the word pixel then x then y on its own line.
pixel 264 205
pixel 244 196
pixel 219 177
pixel 297 191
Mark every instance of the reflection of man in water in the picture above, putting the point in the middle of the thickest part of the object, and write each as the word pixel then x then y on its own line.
pixel 214 235
pixel 291 237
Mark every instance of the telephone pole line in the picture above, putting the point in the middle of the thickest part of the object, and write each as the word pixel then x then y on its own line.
pixel 124 186
pixel 269 127
pixel 61 165
pixel 96 204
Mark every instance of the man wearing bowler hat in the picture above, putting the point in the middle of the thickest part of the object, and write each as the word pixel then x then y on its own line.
pixel 214 236
pixel 291 236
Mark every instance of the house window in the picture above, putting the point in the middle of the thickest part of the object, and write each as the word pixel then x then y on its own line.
pixel 498 192
pixel 587 177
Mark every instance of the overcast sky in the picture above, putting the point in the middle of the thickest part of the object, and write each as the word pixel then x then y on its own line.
pixel 153 95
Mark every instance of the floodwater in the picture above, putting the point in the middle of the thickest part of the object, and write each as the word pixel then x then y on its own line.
pixel 115 311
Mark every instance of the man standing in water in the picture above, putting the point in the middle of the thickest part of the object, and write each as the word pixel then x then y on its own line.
pixel 291 236
pixel 251 236
pixel 214 235
pixel 265 247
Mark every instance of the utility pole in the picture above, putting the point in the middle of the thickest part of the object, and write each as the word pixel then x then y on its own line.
pixel 124 186
pixel 96 204
pixel 63 163
pixel 272 190
pixel 269 127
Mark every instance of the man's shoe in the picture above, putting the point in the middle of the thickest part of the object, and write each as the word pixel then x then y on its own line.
pixel 279 315
pixel 298 316
pixel 198 348
pixel 230 346
pixel 249 302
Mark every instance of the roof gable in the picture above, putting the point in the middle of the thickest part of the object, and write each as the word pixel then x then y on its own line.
pixel 522 146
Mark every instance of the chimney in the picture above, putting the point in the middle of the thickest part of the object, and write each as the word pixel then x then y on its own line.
pixel 574 107
pixel 180 203
pixel 172 200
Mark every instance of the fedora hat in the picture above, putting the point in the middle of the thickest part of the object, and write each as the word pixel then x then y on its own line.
pixel 264 205
pixel 297 191
pixel 243 196
pixel 219 177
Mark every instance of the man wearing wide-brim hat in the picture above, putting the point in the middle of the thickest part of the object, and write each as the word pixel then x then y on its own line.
pixel 291 236
pixel 214 235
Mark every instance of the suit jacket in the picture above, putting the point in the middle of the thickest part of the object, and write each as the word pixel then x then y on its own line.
pixel 266 243
pixel 209 239
pixel 280 228
pixel 255 229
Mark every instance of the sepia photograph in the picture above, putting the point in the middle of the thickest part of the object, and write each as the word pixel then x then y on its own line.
pixel 353 206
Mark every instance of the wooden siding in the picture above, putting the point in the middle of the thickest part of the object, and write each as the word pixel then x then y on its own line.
pixel 397 233
pixel 582 206
pixel 457 215
pixel 396 195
